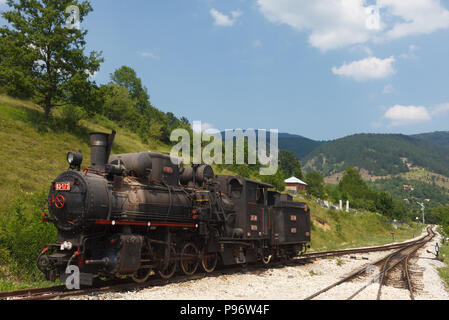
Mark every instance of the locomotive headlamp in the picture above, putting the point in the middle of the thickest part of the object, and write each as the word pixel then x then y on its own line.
pixel 74 159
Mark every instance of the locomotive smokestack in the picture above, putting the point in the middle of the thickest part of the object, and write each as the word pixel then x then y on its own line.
pixel 100 149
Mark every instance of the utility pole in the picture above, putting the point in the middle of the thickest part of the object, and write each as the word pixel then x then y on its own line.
pixel 422 209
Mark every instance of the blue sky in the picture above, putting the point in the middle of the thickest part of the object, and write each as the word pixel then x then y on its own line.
pixel 322 69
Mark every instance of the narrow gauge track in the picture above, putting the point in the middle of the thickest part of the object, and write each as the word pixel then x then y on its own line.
pixel 117 285
pixel 399 258
pixel 336 253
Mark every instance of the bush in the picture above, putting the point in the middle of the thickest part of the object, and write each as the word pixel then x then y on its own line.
pixel 71 115
pixel 22 235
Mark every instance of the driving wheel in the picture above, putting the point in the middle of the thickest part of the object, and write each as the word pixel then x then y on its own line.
pixel 209 261
pixel 189 259
pixel 167 271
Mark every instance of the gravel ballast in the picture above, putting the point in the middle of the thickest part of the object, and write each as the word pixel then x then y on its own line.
pixel 299 282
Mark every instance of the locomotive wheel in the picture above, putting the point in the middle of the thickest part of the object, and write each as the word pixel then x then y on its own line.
pixel 209 262
pixel 170 268
pixel 142 275
pixel 189 259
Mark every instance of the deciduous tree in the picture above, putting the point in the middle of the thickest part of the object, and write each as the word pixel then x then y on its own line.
pixel 48 54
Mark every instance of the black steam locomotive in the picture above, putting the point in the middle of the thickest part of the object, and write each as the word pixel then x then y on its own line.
pixel 141 214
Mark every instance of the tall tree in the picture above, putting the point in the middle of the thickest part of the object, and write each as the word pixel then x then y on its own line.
pixel 315 184
pixel 353 185
pixel 127 77
pixel 289 164
pixel 53 51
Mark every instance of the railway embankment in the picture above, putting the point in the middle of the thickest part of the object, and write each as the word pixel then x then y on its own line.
pixel 335 229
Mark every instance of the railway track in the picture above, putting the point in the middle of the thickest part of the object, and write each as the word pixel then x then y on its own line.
pixel 112 285
pixel 399 259
pixel 336 253
pixel 116 285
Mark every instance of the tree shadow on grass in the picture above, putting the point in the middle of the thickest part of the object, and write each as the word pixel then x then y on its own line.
pixel 35 119
pixel 55 124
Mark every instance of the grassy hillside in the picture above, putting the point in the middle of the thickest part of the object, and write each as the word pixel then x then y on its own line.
pixel 337 229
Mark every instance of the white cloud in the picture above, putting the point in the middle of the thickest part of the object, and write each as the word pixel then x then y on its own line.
pixel 418 17
pixel 223 20
pixel 335 24
pixel 2 2
pixel 440 109
pixel 369 68
pixel 403 115
pixel 148 54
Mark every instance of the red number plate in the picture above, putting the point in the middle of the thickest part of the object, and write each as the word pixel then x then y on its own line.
pixel 63 186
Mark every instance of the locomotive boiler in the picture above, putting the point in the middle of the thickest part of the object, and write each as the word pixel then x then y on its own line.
pixel 143 214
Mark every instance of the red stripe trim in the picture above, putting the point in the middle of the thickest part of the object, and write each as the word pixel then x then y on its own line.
pixel 145 224
pixel 252 203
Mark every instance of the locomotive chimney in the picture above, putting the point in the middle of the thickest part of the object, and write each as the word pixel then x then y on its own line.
pixel 100 149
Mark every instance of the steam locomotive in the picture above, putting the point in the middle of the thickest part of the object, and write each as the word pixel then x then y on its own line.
pixel 142 214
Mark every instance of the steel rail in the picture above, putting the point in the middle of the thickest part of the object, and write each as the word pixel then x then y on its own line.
pixel 408 279
pixel 404 259
pixel 415 245
pixel 325 254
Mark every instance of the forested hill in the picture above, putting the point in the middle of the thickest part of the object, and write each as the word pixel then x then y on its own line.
pixel 438 137
pixel 379 154
pixel 298 145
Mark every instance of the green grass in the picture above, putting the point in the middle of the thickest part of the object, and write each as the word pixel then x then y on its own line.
pixel 7 285
pixel 444 254
pixel 332 230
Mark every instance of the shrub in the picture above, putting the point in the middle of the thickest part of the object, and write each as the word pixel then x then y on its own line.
pixel 71 115
pixel 22 235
